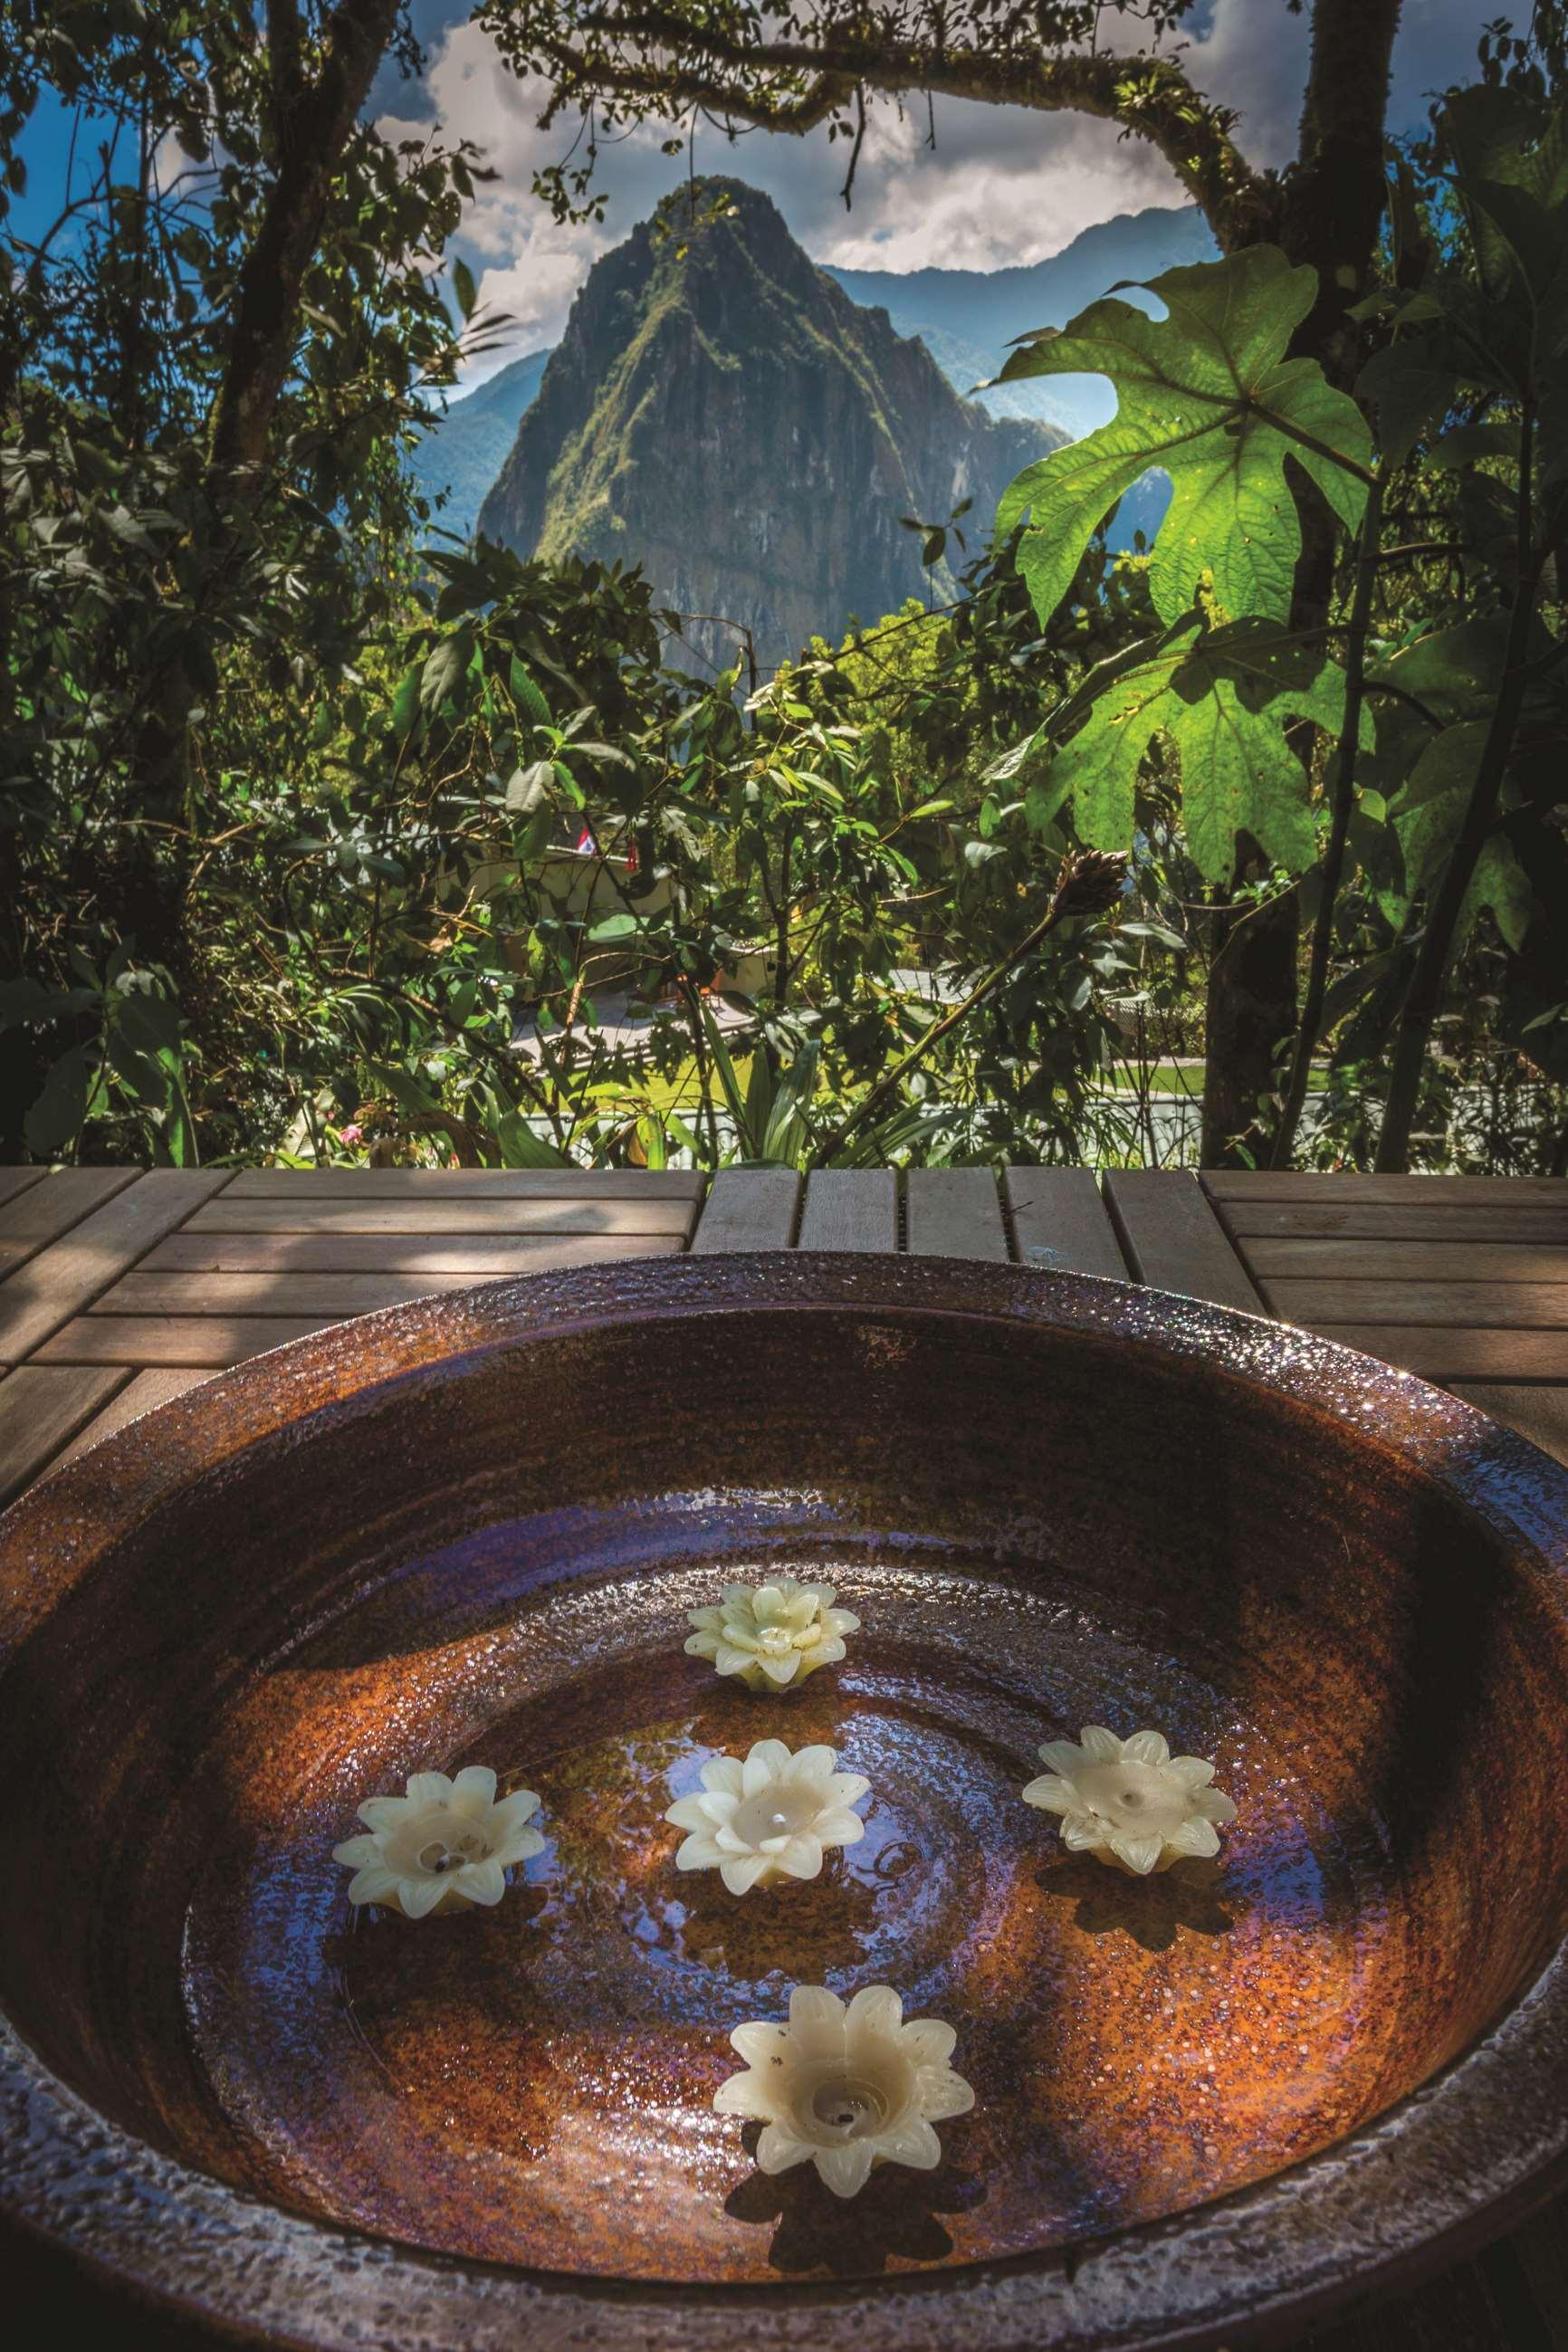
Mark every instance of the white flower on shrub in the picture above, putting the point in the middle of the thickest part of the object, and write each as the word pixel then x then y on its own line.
pixel 772 1635
pixel 771 1817
pixel 444 1845
pixel 845 2089
pixel 1129 1801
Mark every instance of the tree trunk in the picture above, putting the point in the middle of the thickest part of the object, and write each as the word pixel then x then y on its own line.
pixel 1250 1007
pixel 1330 206
pixel 311 123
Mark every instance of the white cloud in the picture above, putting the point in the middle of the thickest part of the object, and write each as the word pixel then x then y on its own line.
pixel 532 294
pixel 1002 185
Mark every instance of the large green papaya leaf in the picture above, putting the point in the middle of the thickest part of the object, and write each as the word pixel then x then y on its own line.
pixel 1222 697
pixel 1208 393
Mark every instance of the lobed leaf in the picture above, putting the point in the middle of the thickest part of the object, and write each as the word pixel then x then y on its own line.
pixel 1207 394
pixel 1222 698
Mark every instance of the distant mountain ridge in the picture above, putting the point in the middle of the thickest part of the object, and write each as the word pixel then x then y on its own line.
pixel 465 449
pixel 967 318
pixel 719 412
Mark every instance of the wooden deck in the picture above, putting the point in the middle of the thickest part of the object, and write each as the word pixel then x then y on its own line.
pixel 119 1289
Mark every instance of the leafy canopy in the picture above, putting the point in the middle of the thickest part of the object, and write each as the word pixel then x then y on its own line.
pixel 1207 394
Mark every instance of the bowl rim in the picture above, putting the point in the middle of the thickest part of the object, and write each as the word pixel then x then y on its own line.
pixel 1443 2170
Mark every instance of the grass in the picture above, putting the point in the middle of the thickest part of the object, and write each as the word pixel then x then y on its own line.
pixel 682 1093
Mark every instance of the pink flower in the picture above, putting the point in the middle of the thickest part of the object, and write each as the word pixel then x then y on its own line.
pixel 354 1133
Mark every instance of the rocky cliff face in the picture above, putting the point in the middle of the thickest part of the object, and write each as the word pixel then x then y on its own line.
pixel 719 412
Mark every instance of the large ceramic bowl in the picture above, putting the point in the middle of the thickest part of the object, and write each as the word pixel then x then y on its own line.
pixel 1208 2104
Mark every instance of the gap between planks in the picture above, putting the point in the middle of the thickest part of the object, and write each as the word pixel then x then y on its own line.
pixel 35 1214
pixel 1321 1260
pixel 430 1217
pixel 1456 1305
pixel 1247 1220
pixel 467 1184
pixel 482 1257
pixel 1389 1191
pixel 1174 1239
pixel 16 1181
pixel 293 1293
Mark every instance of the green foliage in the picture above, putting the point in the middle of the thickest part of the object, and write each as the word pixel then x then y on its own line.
pixel 1447 800
pixel 1221 699
pixel 1208 393
pixel 314 838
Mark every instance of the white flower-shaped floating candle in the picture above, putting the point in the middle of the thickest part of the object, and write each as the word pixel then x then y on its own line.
pixel 769 1818
pixel 1129 1801
pixel 772 1635
pixel 845 2089
pixel 444 1845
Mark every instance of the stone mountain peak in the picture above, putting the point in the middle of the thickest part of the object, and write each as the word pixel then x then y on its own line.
pixel 721 412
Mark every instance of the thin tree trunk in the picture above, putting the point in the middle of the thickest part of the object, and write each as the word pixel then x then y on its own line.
pixel 311 124
pixel 1333 864
pixel 1249 1009
pixel 1447 903
pixel 1330 206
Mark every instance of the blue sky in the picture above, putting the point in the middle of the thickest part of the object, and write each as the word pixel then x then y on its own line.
pixel 1001 186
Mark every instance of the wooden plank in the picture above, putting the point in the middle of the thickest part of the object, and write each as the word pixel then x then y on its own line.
pixel 68 1275
pixel 209 1341
pixel 40 1411
pixel 14 1180
pixel 269 1294
pixel 1171 1238
pixel 465 1183
pixel 1539 1414
pixel 1061 1222
pixel 61 1199
pixel 483 1257
pixel 1248 1220
pixel 144 1392
pixel 1502 1305
pixel 850 1208
pixel 1350 1261
pixel 748 1208
pixel 426 1217
pixel 1442 1355
pixel 1389 1191
pixel 954 1213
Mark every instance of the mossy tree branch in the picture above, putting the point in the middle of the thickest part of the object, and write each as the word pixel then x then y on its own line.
pixel 644 59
